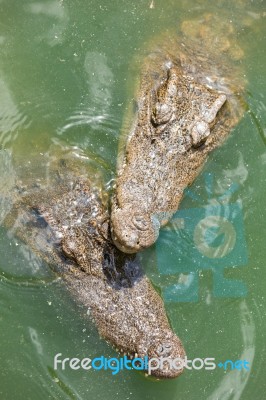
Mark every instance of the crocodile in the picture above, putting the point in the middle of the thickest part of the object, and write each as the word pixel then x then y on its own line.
pixel 66 223
pixel 189 98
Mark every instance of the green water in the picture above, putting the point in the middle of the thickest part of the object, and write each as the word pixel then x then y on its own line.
pixel 64 85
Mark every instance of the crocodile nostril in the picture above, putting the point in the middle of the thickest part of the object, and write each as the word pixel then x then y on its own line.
pixel 160 349
pixel 164 349
pixel 140 222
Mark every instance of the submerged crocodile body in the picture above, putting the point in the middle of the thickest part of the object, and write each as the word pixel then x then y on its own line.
pixel 66 225
pixel 189 99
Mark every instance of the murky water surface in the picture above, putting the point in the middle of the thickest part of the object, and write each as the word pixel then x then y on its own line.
pixel 65 82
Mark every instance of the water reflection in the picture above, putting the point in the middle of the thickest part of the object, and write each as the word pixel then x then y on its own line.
pixel 57 13
pixel 94 107
pixel 233 383
pixel 11 118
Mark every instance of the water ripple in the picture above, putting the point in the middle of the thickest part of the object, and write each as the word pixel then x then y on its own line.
pixel 87 117
pixel 233 383
pixel 11 118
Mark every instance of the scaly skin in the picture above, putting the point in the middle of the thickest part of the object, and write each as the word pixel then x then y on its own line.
pixel 187 103
pixel 67 226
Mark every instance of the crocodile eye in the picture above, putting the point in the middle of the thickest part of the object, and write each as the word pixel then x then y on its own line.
pixel 199 133
pixel 164 349
pixel 161 113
